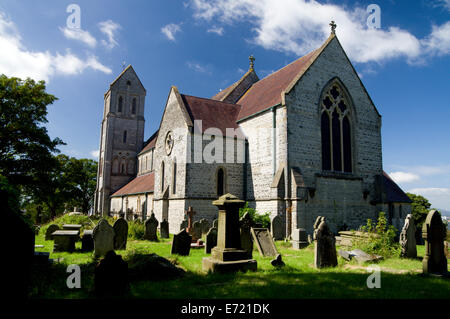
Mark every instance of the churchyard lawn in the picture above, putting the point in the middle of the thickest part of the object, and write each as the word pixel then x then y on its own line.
pixel 400 278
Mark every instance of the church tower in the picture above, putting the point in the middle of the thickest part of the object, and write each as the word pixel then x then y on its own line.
pixel 121 137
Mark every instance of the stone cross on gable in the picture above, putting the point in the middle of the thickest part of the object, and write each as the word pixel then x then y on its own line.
pixel 333 27
pixel 190 213
pixel 252 60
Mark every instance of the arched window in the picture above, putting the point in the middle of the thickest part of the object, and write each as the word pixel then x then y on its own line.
pixel 162 176
pixel 336 130
pixel 119 108
pixel 220 181
pixel 124 136
pixel 133 106
pixel 122 168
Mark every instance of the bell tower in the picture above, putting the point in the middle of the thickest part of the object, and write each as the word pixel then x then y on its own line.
pixel 121 137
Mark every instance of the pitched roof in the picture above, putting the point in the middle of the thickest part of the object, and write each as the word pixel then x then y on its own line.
pixel 129 67
pixel 151 142
pixel 213 113
pixel 232 93
pixel 393 192
pixel 139 185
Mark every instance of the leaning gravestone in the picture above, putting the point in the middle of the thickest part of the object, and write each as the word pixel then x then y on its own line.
pixel 264 242
pixel 50 230
pixel 211 240
pixel 120 234
pixel 164 229
pixel 434 233
pixel 246 235
pixel 181 244
pixel 408 238
pixel 103 235
pixel 151 225
pixel 276 227
pixel 111 276
pixel 324 245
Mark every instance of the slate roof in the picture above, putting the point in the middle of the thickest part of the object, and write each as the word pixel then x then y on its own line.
pixel 151 142
pixel 213 113
pixel 393 192
pixel 139 185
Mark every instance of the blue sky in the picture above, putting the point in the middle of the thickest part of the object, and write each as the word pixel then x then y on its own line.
pixel 203 46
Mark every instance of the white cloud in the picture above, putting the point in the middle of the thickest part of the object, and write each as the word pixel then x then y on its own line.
pixel 109 28
pixel 299 26
pixel 431 191
pixel 170 30
pixel 95 154
pixel 79 35
pixel 438 42
pixel 17 60
pixel 216 30
pixel 445 3
pixel 404 177
pixel 197 67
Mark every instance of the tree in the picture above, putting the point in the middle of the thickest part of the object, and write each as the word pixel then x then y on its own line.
pixel 25 146
pixel 420 207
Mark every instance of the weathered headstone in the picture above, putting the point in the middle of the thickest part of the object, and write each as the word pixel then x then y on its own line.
pixel 120 234
pixel 50 230
pixel 184 224
pixel 64 240
pixel 246 224
pixel 196 231
pixel 228 254
pixel 151 225
pixel 408 238
pixel 211 240
pixel 434 234
pixel 87 241
pixel 264 242
pixel 181 244
pixel 164 229
pixel 299 238
pixel 103 235
pixel 276 228
pixel 324 245
pixel 111 276
pixel 205 225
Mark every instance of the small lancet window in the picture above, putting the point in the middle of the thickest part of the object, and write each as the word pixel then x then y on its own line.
pixel 119 108
pixel 220 182
pixel 133 106
pixel 124 136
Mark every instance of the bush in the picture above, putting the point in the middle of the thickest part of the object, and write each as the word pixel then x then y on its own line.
pixel 381 238
pixel 85 221
pixel 262 219
pixel 136 229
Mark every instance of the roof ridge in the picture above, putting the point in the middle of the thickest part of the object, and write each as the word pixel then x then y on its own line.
pixel 209 99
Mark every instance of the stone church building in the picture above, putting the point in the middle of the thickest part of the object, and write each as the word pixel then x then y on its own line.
pixel 302 142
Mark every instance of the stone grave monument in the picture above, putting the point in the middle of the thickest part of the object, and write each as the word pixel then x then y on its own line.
pixel 151 225
pixel 103 235
pixel 264 242
pixel 408 238
pixel 50 230
pixel 299 238
pixel 324 245
pixel 164 229
pixel 120 234
pixel 246 224
pixel 434 234
pixel 87 241
pixel 276 228
pixel 228 255
pixel 181 244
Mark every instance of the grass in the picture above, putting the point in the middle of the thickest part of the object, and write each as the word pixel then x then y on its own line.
pixel 400 278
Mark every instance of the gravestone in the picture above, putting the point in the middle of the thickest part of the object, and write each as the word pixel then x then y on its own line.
pixel 50 230
pixel 246 235
pixel 434 234
pixel 299 238
pixel 103 235
pixel 181 244
pixel 87 241
pixel 211 240
pixel 264 242
pixel 408 238
pixel 190 215
pixel 151 225
pixel 215 223
pixel 71 227
pixel 64 240
pixel 120 234
pixel 276 228
pixel 228 256
pixel 111 276
pixel 196 231
pixel 184 224
pixel 205 225
pixel 324 245
pixel 164 229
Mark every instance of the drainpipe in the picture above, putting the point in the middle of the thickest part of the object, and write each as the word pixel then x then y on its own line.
pixel 274 141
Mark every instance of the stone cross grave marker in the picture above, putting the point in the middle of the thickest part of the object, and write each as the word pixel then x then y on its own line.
pixel 151 225
pixel 164 229
pixel 276 227
pixel 103 235
pixel 190 214
pixel 434 234
pixel 264 242
pixel 408 238
pixel 181 244
pixel 246 224
pixel 184 224
pixel 120 234
pixel 324 245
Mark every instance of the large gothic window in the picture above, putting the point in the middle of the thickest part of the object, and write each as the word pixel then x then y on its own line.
pixel 336 130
